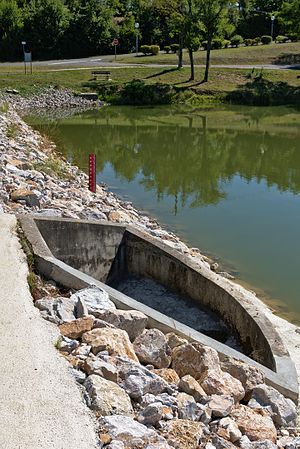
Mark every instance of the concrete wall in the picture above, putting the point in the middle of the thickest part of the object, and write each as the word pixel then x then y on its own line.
pixel 84 246
pixel 144 258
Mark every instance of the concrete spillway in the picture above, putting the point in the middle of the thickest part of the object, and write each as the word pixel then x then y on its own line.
pixel 139 272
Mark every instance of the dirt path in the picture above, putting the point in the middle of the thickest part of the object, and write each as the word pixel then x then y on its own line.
pixel 40 404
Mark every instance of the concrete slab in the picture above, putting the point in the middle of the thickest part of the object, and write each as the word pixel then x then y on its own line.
pixel 40 403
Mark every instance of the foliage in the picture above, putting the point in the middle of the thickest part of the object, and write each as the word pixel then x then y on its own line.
pixel 154 49
pixel 146 49
pixel 281 39
pixel 167 49
pixel 289 18
pixel 266 40
pixel 174 47
pixel 236 40
pixel 217 43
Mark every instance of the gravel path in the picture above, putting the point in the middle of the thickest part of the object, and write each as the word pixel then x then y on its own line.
pixel 40 404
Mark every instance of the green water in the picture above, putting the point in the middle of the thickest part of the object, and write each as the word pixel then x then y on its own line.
pixel 226 179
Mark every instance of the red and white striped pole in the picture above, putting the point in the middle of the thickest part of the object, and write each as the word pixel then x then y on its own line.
pixel 92 172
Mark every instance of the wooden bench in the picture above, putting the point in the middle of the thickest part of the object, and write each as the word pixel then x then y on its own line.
pixel 102 74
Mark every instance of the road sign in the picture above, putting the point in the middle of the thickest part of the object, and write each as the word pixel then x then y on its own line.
pixel 115 42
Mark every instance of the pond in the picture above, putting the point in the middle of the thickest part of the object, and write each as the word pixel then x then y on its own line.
pixel 226 179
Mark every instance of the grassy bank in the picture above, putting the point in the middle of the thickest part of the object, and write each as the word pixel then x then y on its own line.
pixel 262 54
pixel 165 85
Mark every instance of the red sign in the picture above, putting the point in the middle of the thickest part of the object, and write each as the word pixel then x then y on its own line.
pixel 115 42
pixel 92 172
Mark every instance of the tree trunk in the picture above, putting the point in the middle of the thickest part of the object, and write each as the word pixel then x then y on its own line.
pixel 180 56
pixel 209 45
pixel 191 55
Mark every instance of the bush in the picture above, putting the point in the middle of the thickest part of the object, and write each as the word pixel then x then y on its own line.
pixel 281 39
pixel 217 43
pixel 266 40
pixel 146 49
pixel 226 43
pixel 167 49
pixel 248 42
pixel 174 47
pixel 236 40
pixel 154 49
pixel 204 45
pixel 256 41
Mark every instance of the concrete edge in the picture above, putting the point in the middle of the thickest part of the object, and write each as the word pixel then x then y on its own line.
pixel 285 377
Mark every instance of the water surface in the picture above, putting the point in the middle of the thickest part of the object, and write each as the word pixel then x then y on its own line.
pixel 226 179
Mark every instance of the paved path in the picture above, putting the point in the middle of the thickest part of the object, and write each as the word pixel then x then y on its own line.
pixel 40 404
pixel 109 62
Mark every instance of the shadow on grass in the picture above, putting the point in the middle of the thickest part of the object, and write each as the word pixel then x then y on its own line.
pixel 287 59
pixel 261 92
pixel 163 72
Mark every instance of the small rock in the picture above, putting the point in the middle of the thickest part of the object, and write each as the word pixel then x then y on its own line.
pixel 188 408
pixel 174 340
pixel 295 444
pixel 79 375
pixel 115 341
pixel 284 411
pixel 229 430
pixel 190 386
pixel 152 414
pixel 248 375
pixel 168 374
pixel 107 398
pixel 131 321
pixel 181 433
pixel 95 299
pixel 25 195
pixel 221 406
pixel 57 310
pixel 103 368
pixel 266 444
pixel 152 347
pixel 130 432
pixel 217 382
pixel 256 424
pixel 68 345
pixel 75 328
pixel 221 443
pixel 194 359
pixel 115 444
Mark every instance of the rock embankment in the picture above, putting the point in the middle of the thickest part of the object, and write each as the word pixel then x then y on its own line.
pixel 156 391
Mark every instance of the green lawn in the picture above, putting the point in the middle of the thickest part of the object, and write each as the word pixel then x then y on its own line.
pixel 262 54
pixel 222 81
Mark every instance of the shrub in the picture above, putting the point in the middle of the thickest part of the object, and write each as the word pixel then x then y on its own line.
pixel 146 49
pixel 256 41
pixel 167 49
pixel 226 43
pixel 217 43
pixel 174 47
pixel 281 39
pixel 266 40
pixel 236 40
pixel 154 49
pixel 248 42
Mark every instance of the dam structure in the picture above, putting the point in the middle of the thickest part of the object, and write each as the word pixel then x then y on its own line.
pixel 177 295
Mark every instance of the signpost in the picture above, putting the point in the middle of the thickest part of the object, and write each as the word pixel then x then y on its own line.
pixel 115 42
pixel 27 57
pixel 137 26
pixel 92 172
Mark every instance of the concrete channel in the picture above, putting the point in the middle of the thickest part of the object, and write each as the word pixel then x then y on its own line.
pixel 114 257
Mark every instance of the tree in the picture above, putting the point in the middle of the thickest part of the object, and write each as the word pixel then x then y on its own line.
pixel 10 26
pixel 45 22
pixel 213 18
pixel 289 18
